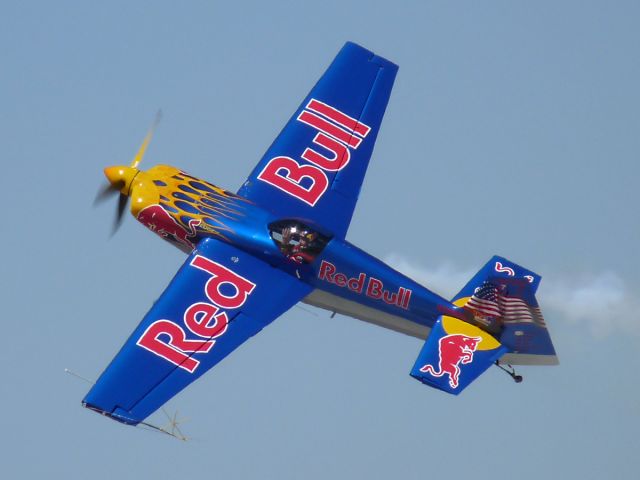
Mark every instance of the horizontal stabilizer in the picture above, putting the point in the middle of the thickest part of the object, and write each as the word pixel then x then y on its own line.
pixel 455 354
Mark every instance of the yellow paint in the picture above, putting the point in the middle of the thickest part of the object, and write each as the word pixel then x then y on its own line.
pixel 194 204
pixel 461 302
pixel 134 183
pixel 453 325
pixel 143 193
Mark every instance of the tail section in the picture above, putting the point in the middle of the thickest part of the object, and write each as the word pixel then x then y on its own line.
pixel 501 296
pixel 504 323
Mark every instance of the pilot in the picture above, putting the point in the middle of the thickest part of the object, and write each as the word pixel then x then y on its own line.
pixel 289 234
pixel 300 253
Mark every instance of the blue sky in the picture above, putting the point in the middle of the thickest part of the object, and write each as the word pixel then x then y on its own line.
pixel 512 129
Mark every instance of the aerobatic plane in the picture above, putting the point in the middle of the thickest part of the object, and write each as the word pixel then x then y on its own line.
pixel 280 240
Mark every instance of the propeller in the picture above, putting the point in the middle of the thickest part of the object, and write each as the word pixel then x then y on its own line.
pixel 121 178
pixel 122 205
pixel 145 143
pixel 105 193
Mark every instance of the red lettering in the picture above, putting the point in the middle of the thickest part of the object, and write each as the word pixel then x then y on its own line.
pixel 340 118
pixel 290 181
pixel 374 289
pixel 341 154
pixel 407 297
pixel 357 284
pixel 340 280
pixel 400 298
pixel 390 298
pixel 198 316
pixel 326 271
pixel 177 346
pixel 219 276
pixel 508 270
pixel 323 125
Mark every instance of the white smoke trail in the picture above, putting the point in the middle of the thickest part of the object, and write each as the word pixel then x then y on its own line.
pixel 602 303
pixel 445 280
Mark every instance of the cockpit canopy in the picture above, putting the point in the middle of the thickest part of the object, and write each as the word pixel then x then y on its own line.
pixel 297 241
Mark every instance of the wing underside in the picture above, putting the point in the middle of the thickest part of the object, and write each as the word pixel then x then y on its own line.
pixel 314 169
pixel 219 298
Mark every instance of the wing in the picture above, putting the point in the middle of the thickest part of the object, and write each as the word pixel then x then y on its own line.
pixel 219 298
pixel 314 169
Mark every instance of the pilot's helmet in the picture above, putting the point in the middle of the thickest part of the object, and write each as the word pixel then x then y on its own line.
pixel 307 237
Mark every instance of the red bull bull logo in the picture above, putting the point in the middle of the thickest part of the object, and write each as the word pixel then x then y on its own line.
pixel 159 221
pixel 453 350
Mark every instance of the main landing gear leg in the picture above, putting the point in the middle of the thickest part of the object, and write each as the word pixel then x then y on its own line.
pixel 510 370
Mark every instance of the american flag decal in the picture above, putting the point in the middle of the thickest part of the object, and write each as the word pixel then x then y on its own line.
pixel 488 300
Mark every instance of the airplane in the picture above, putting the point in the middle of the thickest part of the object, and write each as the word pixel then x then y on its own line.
pixel 280 240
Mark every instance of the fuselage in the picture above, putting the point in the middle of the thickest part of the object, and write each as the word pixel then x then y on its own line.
pixel 186 209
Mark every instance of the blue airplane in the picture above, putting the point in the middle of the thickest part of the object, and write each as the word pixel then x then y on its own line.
pixel 280 240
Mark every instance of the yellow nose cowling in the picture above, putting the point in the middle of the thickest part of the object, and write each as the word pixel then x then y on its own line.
pixel 134 183
pixel 121 177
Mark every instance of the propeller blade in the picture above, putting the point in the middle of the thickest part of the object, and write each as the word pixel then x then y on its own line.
pixel 122 205
pixel 106 192
pixel 145 143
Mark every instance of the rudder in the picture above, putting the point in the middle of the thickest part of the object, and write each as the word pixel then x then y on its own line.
pixel 502 297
